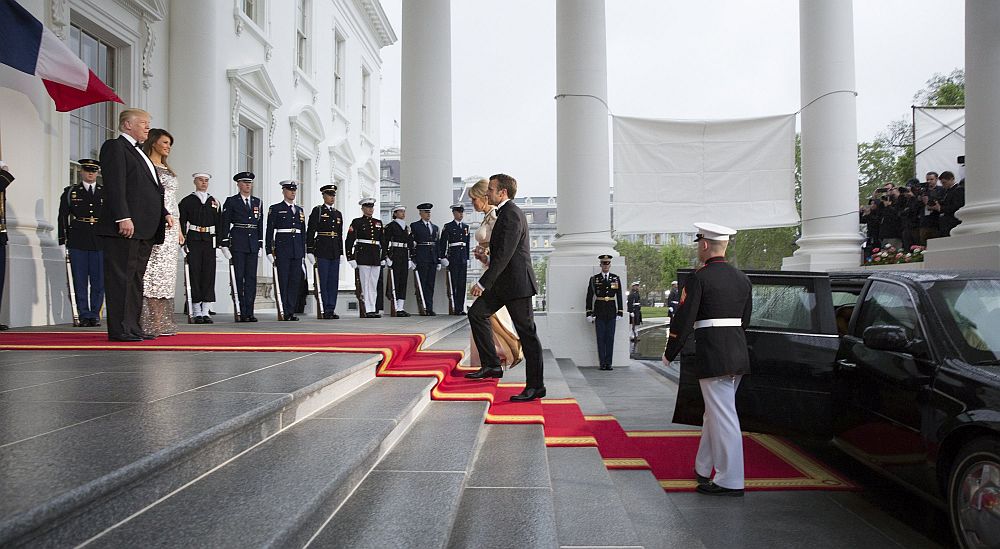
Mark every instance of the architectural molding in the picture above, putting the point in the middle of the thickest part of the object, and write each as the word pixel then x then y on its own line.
pixel 147 53
pixel 60 17
pixel 308 120
pixel 271 145
pixel 259 32
pixel 377 21
pixel 153 9
pixel 234 121
pixel 254 80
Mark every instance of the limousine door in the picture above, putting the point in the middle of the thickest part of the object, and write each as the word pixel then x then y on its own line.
pixel 793 340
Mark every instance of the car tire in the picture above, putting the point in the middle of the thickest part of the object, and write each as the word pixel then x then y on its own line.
pixel 974 494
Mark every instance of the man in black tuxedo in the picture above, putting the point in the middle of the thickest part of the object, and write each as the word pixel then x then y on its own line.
pixel 509 281
pixel 133 220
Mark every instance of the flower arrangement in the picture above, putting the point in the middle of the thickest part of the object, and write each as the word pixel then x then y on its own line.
pixel 891 256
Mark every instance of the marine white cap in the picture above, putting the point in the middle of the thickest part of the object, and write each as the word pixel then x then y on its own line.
pixel 711 231
pixel 367 201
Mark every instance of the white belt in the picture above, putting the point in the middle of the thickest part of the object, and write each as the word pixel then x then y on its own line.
pixel 396 244
pixel 372 242
pixel 200 229
pixel 426 243
pixel 293 231
pixel 718 322
pixel 453 244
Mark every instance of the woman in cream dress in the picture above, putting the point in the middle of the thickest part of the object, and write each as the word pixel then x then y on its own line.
pixel 161 272
pixel 504 336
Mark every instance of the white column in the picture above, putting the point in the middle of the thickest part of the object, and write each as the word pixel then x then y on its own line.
pixel 976 242
pixel 830 236
pixel 425 148
pixel 583 183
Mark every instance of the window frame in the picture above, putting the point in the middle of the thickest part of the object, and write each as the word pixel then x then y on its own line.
pixel 111 75
pixel 920 330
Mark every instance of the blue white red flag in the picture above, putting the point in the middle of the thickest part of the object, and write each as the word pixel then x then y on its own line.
pixel 26 45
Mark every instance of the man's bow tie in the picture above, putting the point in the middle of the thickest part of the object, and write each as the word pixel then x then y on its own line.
pixel 138 145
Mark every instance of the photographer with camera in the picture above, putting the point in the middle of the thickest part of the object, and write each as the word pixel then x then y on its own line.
pixel 907 206
pixel 929 215
pixel 891 227
pixel 871 215
pixel 951 200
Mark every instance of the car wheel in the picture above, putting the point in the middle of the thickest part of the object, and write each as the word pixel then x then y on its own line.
pixel 974 494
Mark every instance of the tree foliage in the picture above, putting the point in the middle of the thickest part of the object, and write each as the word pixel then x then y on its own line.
pixel 762 249
pixel 674 256
pixel 943 90
pixel 642 263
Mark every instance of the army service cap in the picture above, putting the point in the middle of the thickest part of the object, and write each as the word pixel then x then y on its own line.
pixel 331 189
pixel 89 165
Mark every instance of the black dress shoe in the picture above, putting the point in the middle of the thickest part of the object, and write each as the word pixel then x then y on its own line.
pixel 211 313
pixel 530 393
pixel 334 316
pixel 713 489
pixel 95 322
pixel 461 313
pixel 700 479
pixel 402 313
pixel 431 313
pixel 149 336
pixel 291 317
pixel 198 320
pixel 207 320
pixel 251 319
pixel 485 373
pixel 130 338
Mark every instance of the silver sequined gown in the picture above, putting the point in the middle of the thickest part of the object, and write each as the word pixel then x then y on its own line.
pixel 161 271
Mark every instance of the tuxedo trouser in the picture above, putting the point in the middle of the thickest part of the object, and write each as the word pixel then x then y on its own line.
pixel 125 261
pixel 201 263
pixel 88 281
pixel 289 279
pixel 329 281
pixel 524 323
pixel 245 265
pixel 369 285
pixel 721 446
pixel 605 327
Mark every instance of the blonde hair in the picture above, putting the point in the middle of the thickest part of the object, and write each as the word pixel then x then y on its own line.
pixel 128 114
pixel 478 190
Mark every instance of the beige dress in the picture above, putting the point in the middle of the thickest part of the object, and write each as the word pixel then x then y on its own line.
pixel 161 272
pixel 504 335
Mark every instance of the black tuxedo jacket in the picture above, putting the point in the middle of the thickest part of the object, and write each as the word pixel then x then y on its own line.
pixel 510 274
pixel 130 191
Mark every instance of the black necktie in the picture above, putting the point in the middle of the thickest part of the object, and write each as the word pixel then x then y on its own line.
pixel 248 204
pixel 90 189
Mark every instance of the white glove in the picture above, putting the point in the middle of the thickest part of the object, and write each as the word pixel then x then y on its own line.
pixel 438 267
pixel 3 165
pixel 226 253
pixel 311 258
pixel 620 317
pixel 62 249
pixel 444 261
pixel 388 262
pixel 382 263
pixel 412 266
pixel 352 263
pixel 590 319
pixel 631 315
pixel 270 259
pixel 185 248
pixel 260 252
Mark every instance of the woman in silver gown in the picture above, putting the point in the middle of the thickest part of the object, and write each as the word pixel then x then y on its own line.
pixel 160 281
pixel 504 336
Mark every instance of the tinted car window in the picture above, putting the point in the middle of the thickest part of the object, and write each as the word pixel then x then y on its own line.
pixel 783 307
pixel 970 311
pixel 887 304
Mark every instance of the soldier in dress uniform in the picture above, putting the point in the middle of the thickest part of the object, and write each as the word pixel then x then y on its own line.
pixel 242 239
pixel 325 245
pixel 398 249
pixel 634 307
pixel 425 238
pixel 80 209
pixel 200 215
pixel 715 305
pixel 454 254
pixel 285 242
pixel 364 253
pixel 604 307
pixel 5 180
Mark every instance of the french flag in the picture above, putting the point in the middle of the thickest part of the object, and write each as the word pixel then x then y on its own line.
pixel 26 45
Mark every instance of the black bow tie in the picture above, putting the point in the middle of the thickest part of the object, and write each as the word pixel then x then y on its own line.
pixel 138 145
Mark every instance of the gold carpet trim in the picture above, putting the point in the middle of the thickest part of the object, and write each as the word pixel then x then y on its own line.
pixel 612 463
pixel 558 401
pixel 600 418
pixel 571 441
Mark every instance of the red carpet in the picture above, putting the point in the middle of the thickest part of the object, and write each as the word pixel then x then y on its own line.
pixel 771 463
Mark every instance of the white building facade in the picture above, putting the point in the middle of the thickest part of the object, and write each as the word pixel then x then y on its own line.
pixel 286 89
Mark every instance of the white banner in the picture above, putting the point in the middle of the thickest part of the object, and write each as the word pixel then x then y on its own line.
pixel 672 173
pixel 939 139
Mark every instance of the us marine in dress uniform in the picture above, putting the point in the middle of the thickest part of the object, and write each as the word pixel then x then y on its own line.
pixel 5 180
pixel 425 238
pixel 398 250
pixel 285 242
pixel 80 209
pixel 715 305
pixel 200 216
pixel 454 253
pixel 242 238
pixel 325 245
pixel 634 307
pixel 604 307
pixel 364 252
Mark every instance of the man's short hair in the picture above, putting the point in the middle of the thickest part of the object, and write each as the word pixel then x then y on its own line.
pixel 506 183
pixel 128 114
pixel 947 176
pixel 935 174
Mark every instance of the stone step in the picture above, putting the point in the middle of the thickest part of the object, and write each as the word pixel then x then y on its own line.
pixel 411 498
pixel 185 414
pixel 280 492
pixel 507 501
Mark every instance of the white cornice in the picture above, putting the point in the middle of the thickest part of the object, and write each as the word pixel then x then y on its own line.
pixel 254 79
pixel 153 9
pixel 377 21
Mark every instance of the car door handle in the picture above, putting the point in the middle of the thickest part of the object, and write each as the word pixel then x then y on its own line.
pixel 845 365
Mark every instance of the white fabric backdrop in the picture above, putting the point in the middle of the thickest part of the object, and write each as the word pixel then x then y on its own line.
pixel 939 138
pixel 672 173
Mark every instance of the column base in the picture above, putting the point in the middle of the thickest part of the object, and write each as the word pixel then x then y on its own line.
pixel 964 251
pixel 35 292
pixel 822 262
pixel 564 328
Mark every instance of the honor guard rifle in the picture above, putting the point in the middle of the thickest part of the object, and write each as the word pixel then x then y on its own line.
pixel 187 286
pixel 234 291
pixel 421 306
pixel 362 310
pixel 450 290
pixel 392 291
pixel 320 311
pixel 72 290
pixel 277 290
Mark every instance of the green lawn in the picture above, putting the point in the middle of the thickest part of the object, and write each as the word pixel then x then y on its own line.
pixel 654 312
